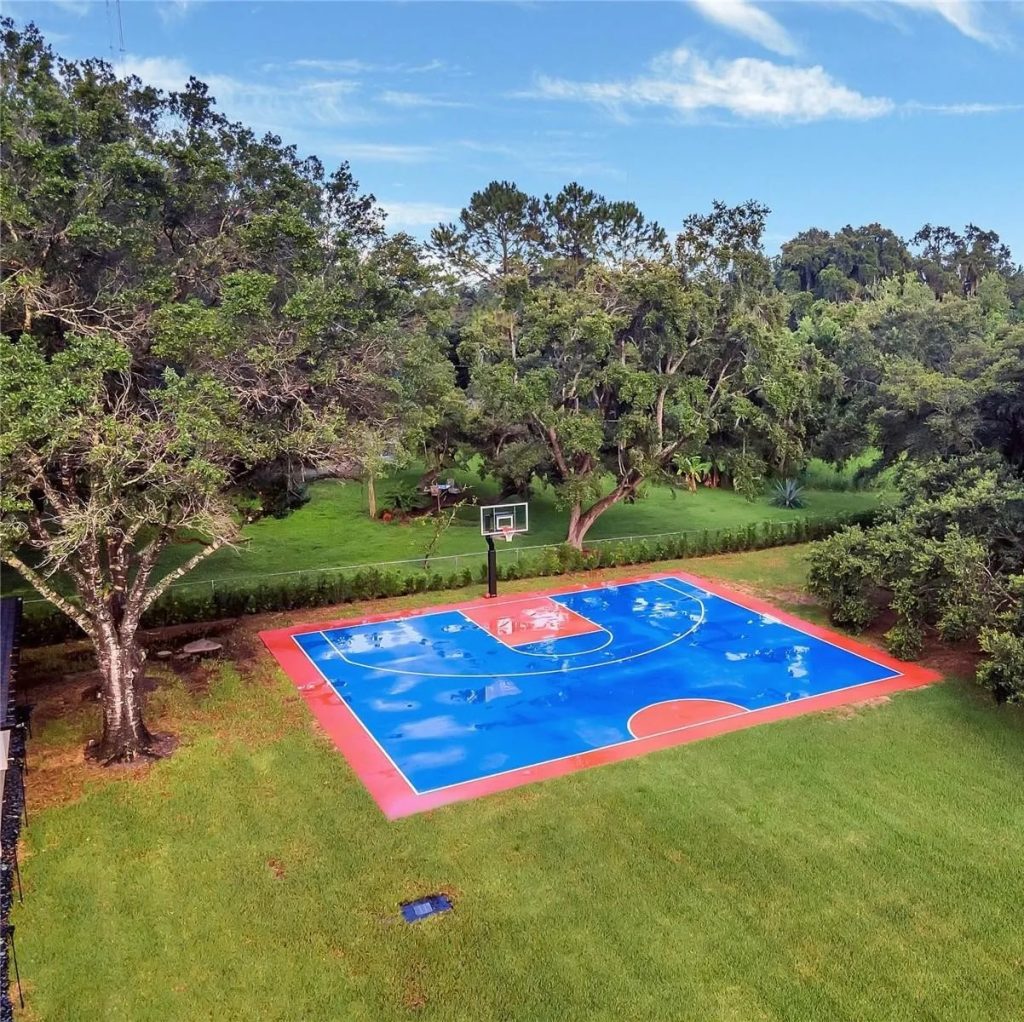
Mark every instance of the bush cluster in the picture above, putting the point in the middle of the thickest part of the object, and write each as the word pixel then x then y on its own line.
pixel 187 604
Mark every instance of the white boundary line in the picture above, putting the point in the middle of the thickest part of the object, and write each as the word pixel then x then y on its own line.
pixel 415 615
pixel 353 714
pixel 524 674
pixel 612 745
pixel 553 638
pixel 785 624
pixel 683 727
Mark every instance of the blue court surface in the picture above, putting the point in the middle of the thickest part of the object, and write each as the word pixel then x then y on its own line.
pixel 496 688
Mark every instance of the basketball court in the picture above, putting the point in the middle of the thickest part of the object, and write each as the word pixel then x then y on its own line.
pixel 437 706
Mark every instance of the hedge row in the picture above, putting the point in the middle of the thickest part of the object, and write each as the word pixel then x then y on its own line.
pixel 188 604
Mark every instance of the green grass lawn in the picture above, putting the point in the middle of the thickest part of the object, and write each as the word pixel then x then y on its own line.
pixel 334 529
pixel 839 866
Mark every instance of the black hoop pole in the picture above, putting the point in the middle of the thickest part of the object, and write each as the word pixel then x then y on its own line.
pixel 492 569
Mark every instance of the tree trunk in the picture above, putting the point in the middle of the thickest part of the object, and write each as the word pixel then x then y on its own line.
pixel 371 494
pixel 580 520
pixel 125 736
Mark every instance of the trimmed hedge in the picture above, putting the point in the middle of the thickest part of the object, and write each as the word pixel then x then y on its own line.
pixel 188 604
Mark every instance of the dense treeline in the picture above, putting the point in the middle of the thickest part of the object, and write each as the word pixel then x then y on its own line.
pixel 195 317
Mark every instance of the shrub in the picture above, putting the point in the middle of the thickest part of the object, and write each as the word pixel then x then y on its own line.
pixel 1003 673
pixel 203 602
pixel 403 498
pixel 841 576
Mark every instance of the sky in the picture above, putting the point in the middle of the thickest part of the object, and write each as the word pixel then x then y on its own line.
pixel 829 111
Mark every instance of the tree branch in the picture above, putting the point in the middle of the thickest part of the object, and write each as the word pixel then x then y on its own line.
pixel 161 587
pixel 44 588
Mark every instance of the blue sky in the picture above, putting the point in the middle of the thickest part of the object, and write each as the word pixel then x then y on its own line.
pixel 830 111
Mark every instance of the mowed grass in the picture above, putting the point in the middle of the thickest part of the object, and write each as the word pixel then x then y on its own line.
pixel 335 529
pixel 855 866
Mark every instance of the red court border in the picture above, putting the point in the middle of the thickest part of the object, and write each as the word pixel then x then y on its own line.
pixel 396 798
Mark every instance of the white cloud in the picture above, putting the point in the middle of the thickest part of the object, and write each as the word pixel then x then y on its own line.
pixel 968 17
pixel 963 109
pixel 743 17
pixel 167 73
pixel 379 152
pixel 417 214
pixel 78 8
pixel 410 100
pixel 747 88
pixel 354 66
pixel 55 38
pixel 963 15
pixel 172 11
pixel 264 105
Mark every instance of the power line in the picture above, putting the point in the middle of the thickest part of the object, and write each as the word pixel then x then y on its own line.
pixel 114 10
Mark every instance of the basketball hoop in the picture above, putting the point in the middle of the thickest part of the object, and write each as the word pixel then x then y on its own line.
pixel 501 521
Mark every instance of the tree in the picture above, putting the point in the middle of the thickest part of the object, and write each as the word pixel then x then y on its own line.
pixel 192 315
pixel 581 228
pixel 954 263
pixel 499 235
pixel 840 266
pixel 692 469
pixel 623 368
pixel 941 393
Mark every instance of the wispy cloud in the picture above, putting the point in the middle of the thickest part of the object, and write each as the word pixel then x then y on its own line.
pixel 747 88
pixel 380 152
pixel 411 100
pixel 962 109
pixel 966 16
pixel 417 214
pixel 264 105
pixel 355 66
pixel 79 8
pixel 742 17
pixel 173 11
pixel 969 17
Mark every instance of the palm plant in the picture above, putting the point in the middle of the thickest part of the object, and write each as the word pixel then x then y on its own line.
pixel 692 469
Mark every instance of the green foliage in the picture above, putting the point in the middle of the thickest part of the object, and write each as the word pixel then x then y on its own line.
pixel 859 472
pixel 1003 672
pixel 612 357
pixel 841 576
pixel 212 601
pixel 403 498
pixel 939 559
pixel 1003 641
pixel 788 493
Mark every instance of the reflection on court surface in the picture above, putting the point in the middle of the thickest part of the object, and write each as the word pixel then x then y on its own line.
pixel 461 701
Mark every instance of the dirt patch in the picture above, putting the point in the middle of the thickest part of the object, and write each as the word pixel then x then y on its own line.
pixel 851 710
pixel 952 661
pixel 160 746
pixel 58 777
pixel 414 994
pixel 794 597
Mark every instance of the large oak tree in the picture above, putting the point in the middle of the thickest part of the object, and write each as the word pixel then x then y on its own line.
pixel 192 316
pixel 626 357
